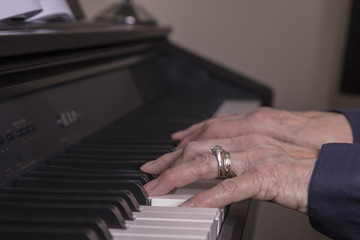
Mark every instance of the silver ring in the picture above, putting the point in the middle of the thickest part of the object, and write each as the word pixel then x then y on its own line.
pixel 224 161
pixel 227 164
pixel 218 152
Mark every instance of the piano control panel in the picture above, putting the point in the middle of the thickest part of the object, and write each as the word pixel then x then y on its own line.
pixel 23 132
pixel 36 126
pixel 68 118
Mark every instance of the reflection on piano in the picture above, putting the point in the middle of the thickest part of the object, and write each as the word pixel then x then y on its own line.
pixel 83 106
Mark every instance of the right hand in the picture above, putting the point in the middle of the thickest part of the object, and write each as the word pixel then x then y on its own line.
pixel 310 128
pixel 261 167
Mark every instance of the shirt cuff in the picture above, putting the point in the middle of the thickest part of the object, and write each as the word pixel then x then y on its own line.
pixel 334 192
pixel 353 116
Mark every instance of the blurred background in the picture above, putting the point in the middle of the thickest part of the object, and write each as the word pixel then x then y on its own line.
pixel 295 47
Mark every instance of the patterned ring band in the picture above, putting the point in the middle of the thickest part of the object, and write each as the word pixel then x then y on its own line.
pixel 227 164
pixel 223 160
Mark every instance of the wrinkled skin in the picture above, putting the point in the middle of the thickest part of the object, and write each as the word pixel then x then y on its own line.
pixel 262 168
pixel 311 128
pixel 273 154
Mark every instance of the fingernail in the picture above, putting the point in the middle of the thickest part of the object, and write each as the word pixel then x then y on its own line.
pixel 187 204
pixel 146 165
pixel 151 185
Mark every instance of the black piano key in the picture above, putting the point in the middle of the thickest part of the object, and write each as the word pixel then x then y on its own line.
pixel 133 136
pixel 126 146
pixel 132 125
pixel 98 226
pixel 48 168
pixel 117 194
pixel 115 140
pixel 110 214
pixel 121 204
pixel 90 176
pixel 86 162
pixel 138 158
pixel 16 233
pixel 116 151
pixel 134 186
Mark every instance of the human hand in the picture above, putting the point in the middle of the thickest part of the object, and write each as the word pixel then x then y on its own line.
pixel 262 168
pixel 311 128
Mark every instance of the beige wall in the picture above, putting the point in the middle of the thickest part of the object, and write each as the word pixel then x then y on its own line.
pixel 293 46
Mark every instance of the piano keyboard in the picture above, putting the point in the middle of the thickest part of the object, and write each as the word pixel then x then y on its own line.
pixel 94 191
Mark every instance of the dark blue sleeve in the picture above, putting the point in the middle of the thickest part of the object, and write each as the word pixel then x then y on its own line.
pixel 353 116
pixel 334 192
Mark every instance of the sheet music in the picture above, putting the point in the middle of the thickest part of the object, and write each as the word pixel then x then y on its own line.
pixel 19 9
pixel 54 10
pixel 36 10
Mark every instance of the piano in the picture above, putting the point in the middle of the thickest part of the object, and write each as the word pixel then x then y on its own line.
pixel 83 106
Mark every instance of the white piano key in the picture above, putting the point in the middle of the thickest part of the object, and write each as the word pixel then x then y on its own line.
pixel 180 195
pixel 141 223
pixel 212 213
pixel 215 213
pixel 209 211
pixel 174 225
pixel 194 217
pixel 170 200
pixel 156 232
pixel 181 217
pixel 149 238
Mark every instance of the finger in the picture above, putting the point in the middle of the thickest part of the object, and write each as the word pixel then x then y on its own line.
pixel 189 138
pixel 159 165
pixel 203 166
pixel 180 135
pixel 199 127
pixel 226 192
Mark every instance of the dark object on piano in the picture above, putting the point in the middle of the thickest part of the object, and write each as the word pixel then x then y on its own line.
pixel 350 72
pixel 126 13
pixel 76 9
pixel 89 102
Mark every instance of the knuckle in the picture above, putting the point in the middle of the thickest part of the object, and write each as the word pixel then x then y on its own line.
pixel 167 176
pixel 258 138
pixel 190 148
pixel 253 138
pixel 203 164
pixel 211 126
pixel 260 114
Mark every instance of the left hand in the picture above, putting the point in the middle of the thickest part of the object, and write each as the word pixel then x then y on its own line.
pixel 308 128
pixel 262 168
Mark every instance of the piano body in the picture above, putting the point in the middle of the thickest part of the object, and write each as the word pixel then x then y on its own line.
pixel 83 105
